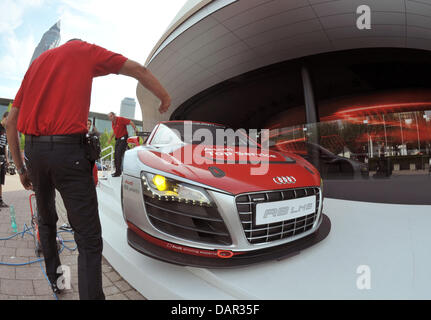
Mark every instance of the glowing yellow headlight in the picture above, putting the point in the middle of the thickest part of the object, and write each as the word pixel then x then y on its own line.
pixel 160 182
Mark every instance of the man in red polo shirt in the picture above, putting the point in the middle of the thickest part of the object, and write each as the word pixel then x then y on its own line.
pixel 119 126
pixel 51 108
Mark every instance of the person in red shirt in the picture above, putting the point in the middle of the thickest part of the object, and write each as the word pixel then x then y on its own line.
pixel 119 127
pixel 51 109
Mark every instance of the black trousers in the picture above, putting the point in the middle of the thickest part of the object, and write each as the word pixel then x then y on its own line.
pixel 120 149
pixel 65 167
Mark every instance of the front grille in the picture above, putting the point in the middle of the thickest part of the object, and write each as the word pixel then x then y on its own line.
pixel 186 221
pixel 246 206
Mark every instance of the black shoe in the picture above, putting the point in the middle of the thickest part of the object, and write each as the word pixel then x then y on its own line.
pixel 3 205
pixel 116 174
pixel 56 289
pixel 66 227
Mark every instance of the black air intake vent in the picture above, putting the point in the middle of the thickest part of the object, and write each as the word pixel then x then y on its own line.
pixel 186 221
pixel 246 205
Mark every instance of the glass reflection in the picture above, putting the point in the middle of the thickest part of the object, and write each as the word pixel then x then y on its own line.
pixel 362 143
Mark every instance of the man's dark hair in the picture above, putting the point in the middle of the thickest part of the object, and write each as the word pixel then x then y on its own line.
pixel 74 39
pixel 5 114
pixel 90 121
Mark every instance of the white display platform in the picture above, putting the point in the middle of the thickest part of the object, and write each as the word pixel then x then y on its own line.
pixel 392 240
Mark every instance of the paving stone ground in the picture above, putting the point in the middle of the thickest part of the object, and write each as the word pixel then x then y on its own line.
pixel 28 281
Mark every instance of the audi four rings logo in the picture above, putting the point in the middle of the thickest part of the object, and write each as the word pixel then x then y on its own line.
pixel 284 180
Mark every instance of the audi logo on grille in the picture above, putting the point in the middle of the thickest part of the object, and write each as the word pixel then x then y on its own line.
pixel 284 180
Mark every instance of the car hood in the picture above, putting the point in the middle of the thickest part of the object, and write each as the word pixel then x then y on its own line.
pixel 232 169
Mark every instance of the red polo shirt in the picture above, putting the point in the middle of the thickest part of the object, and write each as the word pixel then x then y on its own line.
pixel 54 97
pixel 119 125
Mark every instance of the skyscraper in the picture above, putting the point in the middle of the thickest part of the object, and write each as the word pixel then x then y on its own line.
pixel 127 108
pixel 49 40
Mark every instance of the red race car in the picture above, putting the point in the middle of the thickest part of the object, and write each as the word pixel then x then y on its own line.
pixel 204 195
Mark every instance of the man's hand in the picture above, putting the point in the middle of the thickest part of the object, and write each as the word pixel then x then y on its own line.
pixel 165 105
pixel 25 181
pixel 148 80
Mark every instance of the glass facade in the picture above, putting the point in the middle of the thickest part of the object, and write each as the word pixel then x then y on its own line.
pixel 378 145
pixel 373 140
pixel 268 97
pixel 3 109
pixel 362 117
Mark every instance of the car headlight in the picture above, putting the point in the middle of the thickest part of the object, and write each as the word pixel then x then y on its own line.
pixel 167 189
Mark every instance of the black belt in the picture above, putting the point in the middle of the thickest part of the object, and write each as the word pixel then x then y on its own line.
pixel 72 139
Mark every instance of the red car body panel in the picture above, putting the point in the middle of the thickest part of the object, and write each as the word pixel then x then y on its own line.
pixel 193 162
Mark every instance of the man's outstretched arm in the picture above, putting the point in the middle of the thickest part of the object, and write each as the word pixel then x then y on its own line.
pixel 148 80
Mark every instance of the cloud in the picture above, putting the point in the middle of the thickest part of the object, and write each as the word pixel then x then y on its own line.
pixel 15 52
pixel 131 29
pixel 8 92
pixel 134 26
pixel 15 60
pixel 13 12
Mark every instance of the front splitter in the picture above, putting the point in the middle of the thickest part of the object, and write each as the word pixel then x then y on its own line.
pixel 275 253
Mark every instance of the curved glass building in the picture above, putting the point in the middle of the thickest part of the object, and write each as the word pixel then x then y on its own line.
pixel 355 102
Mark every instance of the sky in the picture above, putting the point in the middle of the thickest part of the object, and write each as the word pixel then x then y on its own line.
pixel 129 27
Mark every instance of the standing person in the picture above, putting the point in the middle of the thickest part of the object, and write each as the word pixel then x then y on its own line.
pixel 3 157
pixel 119 127
pixel 51 108
pixel 92 131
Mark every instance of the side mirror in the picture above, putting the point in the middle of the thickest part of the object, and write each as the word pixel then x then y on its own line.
pixel 134 140
pixel 144 136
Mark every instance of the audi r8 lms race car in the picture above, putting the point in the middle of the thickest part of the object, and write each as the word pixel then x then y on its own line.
pixel 201 194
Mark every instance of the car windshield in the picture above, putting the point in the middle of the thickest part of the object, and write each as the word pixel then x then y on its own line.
pixel 203 133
